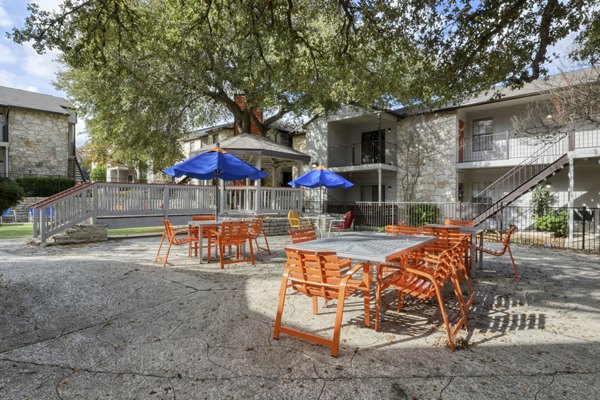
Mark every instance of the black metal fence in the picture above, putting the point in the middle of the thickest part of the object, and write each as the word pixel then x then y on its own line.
pixel 548 230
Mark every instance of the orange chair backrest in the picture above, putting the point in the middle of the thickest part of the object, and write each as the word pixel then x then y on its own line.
pixel 307 268
pixel 234 231
pixel 440 265
pixel 303 235
pixel 507 236
pixel 203 218
pixel 458 222
pixel 168 228
pixel 403 230
pixel 257 225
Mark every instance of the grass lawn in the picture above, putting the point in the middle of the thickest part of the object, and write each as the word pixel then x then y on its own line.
pixel 136 231
pixel 15 231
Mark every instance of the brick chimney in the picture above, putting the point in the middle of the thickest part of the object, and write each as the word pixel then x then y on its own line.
pixel 240 100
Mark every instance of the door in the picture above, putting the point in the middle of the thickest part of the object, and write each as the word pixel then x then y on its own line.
pixel 373 147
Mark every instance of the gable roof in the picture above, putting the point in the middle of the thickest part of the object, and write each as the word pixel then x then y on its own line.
pixel 248 144
pixel 10 97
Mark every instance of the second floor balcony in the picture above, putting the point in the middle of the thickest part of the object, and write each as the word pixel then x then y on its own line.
pixel 367 152
pixel 508 146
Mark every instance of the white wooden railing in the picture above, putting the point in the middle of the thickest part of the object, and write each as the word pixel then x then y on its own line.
pixel 90 201
pixel 60 212
pixel 505 146
pixel 270 200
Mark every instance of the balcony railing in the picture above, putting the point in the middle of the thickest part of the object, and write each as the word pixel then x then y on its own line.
pixel 506 146
pixel 372 152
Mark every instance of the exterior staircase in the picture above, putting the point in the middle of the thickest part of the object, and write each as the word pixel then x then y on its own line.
pixel 538 167
pixel 77 170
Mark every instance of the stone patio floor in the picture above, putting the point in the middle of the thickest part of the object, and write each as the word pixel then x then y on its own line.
pixel 104 321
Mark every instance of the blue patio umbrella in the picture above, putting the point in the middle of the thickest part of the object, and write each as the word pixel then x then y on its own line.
pixel 215 163
pixel 321 177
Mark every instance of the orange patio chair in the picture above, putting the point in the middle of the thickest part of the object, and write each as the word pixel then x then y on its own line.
pixel 423 276
pixel 403 230
pixel 208 232
pixel 171 235
pixel 505 247
pixel 448 238
pixel 458 222
pixel 302 235
pixel 234 233
pixel 321 274
pixel 256 231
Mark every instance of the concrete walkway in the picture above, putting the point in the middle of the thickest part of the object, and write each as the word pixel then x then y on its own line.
pixel 102 321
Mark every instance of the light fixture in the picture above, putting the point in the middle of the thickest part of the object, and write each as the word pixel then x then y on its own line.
pixel 548 185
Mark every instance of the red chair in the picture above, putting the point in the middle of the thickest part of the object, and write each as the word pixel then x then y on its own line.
pixel 171 235
pixel 344 224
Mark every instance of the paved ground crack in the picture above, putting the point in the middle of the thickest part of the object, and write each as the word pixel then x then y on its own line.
pixel 445 386
pixel 545 386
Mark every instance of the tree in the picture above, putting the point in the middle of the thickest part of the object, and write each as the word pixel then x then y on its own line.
pixel 98 174
pixel 570 101
pixel 146 72
pixel 10 193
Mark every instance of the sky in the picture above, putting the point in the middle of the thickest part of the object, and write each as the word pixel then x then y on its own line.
pixel 20 66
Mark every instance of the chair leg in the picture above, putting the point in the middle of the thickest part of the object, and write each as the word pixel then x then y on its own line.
pixel 221 255
pixel 280 305
pixel 167 255
pixel 400 302
pixel 378 297
pixel 367 294
pixel 159 247
pixel 335 346
pixel 251 253
pixel 513 263
pixel 266 243
pixel 440 300
pixel 315 302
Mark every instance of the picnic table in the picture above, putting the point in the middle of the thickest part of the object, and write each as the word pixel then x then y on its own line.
pixel 366 246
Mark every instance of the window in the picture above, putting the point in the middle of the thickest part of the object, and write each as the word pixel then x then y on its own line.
pixel 476 188
pixel 483 129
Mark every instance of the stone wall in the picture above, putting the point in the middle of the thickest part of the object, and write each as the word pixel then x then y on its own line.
pixel 39 142
pixel 22 209
pixel 426 158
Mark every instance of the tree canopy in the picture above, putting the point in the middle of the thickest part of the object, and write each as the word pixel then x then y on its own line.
pixel 145 72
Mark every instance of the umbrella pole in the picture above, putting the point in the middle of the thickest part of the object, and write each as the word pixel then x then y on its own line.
pixel 216 181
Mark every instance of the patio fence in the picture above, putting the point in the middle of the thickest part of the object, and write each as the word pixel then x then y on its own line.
pixel 549 230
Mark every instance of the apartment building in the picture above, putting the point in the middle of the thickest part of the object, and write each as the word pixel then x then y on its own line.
pixel 37 134
pixel 468 152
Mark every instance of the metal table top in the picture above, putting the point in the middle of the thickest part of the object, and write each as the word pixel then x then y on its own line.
pixel 378 247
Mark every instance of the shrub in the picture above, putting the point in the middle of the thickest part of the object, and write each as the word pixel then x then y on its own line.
pixel 44 186
pixel 422 214
pixel 555 221
pixel 98 174
pixel 10 193
pixel 542 200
